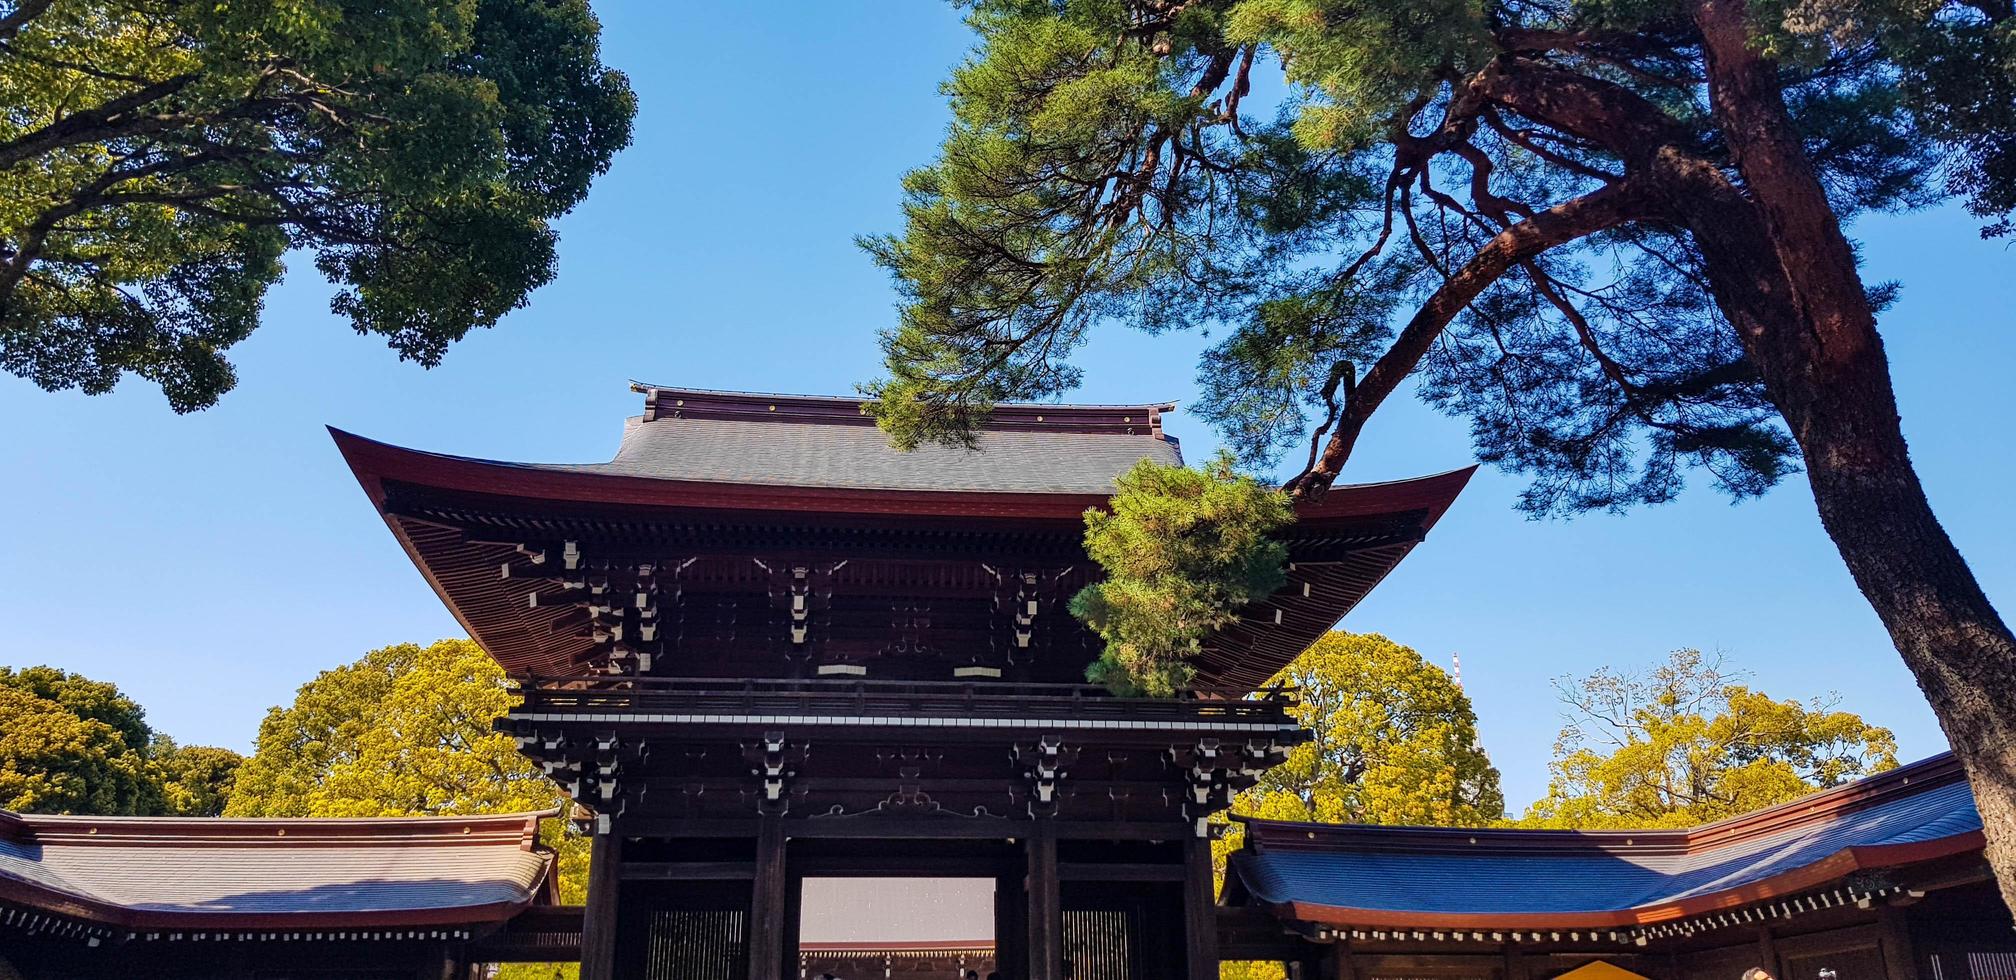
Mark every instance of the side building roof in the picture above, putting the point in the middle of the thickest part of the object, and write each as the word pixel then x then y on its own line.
pixel 1360 877
pixel 204 873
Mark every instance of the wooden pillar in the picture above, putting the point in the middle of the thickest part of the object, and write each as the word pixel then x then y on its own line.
pixel 1767 952
pixel 1515 963
pixel 1011 917
pixel 1200 909
pixel 1337 963
pixel 1046 911
pixel 598 924
pixel 770 903
pixel 1900 960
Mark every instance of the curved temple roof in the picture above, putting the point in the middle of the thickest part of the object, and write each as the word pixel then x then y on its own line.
pixel 1417 877
pixel 721 460
pixel 820 441
pixel 210 873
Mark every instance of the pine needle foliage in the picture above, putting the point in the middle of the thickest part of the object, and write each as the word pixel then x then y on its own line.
pixel 1183 550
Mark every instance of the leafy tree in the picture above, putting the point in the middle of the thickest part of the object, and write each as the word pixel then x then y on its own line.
pixel 1687 744
pixel 1395 742
pixel 1608 234
pixel 406 731
pixel 91 700
pixel 192 780
pixel 158 158
pixel 52 761
pixel 1183 549
pixel 70 744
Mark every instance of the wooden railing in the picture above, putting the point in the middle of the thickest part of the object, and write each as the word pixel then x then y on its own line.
pixel 854 697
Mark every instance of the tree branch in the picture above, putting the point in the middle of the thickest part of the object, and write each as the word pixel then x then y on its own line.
pixel 24 11
pixel 1571 220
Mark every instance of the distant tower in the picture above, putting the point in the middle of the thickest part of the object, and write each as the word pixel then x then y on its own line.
pixel 1456 669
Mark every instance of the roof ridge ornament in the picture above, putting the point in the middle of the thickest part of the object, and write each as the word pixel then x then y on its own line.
pixel 661 403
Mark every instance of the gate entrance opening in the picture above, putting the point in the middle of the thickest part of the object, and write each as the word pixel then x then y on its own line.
pixel 861 928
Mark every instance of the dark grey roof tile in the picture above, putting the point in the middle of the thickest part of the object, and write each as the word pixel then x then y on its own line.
pixel 817 454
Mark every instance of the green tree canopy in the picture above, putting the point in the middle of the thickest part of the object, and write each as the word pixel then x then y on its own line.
pixel 88 699
pixel 1183 549
pixel 52 761
pixel 1395 743
pixel 191 780
pixel 70 744
pixel 403 731
pixel 1686 744
pixel 157 159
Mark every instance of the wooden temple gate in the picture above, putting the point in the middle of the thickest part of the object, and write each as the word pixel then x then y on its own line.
pixel 1105 868
pixel 760 644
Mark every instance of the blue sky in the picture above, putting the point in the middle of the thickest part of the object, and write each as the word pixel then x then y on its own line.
pixel 210 564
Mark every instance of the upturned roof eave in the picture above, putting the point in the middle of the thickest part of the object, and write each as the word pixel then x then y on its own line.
pixel 1807 878
pixel 374 463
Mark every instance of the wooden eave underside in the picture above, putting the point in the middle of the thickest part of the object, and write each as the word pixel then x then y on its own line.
pixel 461 520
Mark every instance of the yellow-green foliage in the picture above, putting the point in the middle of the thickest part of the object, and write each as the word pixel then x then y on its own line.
pixel 1395 742
pixel 70 744
pixel 52 761
pixel 404 731
pixel 1686 745
pixel 1183 549
pixel 1251 970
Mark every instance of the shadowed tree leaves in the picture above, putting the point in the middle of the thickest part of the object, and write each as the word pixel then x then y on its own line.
pixel 157 160
pixel 191 780
pixel 1687 744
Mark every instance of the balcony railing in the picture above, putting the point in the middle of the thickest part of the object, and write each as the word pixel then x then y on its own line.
pixel 883 698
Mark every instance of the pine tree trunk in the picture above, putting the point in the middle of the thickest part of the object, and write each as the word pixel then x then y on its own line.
pixel 1786 274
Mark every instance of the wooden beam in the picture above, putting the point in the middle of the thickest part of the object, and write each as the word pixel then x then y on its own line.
pixel 768 907
pixel 1046 915
pixel 1200 909
pixel 905 828
pixel 1011 914
pixel 689 871
pixel 1082 871
pixel 598 923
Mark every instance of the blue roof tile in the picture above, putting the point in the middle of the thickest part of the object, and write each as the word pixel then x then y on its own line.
pixel 1384 874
